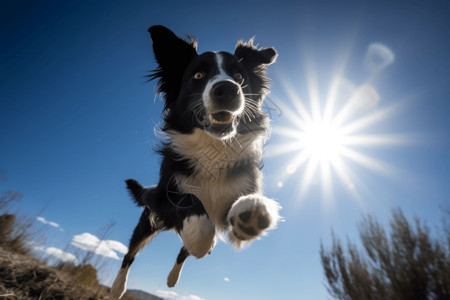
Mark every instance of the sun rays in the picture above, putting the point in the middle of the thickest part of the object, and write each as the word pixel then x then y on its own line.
pixel 327 141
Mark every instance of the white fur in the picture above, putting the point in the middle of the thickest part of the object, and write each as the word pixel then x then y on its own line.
pixel 174 275
pixel 198 235
pixel 211 160
pixel 120 283
pixel 258 206
pixel 219 60
pixel 204 150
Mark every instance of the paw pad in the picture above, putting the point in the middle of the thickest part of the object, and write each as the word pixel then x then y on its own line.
pixel 263 222
pixel 248 219
pixel 245 216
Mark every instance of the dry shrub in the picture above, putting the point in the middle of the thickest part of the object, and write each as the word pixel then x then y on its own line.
pixel 406 262
pixel 14 234
pixel 23 277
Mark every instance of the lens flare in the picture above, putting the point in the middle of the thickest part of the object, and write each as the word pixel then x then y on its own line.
pixel 322 143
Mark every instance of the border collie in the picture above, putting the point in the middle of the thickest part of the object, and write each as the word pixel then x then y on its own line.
pixel 210 177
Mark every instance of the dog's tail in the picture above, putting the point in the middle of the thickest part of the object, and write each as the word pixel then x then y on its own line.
pixel 136 191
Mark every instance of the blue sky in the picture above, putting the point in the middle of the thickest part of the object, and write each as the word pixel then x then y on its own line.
pixel 77 119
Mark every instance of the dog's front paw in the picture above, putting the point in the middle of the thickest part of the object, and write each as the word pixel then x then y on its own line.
pixel 250 216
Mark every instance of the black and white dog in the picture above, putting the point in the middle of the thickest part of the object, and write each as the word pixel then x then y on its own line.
pixel 210 177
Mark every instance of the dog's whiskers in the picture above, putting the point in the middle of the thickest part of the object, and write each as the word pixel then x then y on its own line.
pixel 195 105
pixel 252 106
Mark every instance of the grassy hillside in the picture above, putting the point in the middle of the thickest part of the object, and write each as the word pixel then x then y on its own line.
pixel 23 276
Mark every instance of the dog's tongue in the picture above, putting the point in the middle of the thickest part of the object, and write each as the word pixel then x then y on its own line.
pixel 221 117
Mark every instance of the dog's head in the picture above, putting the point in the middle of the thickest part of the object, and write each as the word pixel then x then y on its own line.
pixel 218 92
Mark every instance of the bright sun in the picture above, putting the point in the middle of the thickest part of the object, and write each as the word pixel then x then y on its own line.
pixel 322 140
pixel 325 140
pixel 334 133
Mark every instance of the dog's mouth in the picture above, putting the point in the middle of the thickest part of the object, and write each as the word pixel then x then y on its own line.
pixel 220 124
pixel 221 117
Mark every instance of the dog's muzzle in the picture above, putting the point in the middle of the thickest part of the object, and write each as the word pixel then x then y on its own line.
pixel 226 95
pixel 225 105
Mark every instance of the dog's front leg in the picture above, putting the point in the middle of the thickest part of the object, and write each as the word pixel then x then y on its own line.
pixel 250 216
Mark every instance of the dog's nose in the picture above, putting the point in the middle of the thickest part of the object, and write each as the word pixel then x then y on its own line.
pixel 225 91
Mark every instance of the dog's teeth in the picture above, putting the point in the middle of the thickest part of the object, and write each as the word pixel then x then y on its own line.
pixel 221 117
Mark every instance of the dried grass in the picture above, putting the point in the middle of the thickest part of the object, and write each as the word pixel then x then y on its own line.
pixel 25 277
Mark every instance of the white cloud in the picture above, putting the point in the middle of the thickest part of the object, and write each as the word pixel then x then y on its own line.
pixel 58 253
pixel 107 248
pixel 171 295
pixel 62 255
pixel 168 295
pixel 378 57
pixel 191 297
pixel 44 221
pixel 117 246
pixel 226 279
pixel 39 248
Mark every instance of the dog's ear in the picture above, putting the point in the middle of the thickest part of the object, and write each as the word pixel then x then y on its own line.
pixel 256 61
pixel 173 55
pixel 170 49
pixel 254 58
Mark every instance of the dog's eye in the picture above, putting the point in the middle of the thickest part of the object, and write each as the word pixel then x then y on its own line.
pixel 238 76
pixel 198 75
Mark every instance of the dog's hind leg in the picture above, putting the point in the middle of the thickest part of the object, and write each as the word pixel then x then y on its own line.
pixel 195 229
pixel 198 235
pixel 174 275
pixel 146 229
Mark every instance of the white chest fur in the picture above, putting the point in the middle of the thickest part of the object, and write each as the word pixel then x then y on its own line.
pixel 212 160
